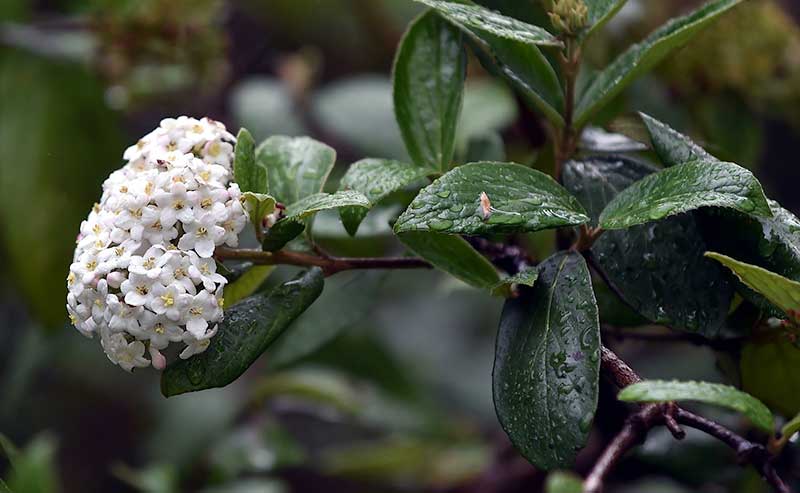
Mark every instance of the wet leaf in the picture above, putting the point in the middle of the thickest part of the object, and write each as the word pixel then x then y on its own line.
pixel 376 179
pixel 644 263
pixel 297 166
pixel 453 255
pixel 246 284
pixel 484 198
pixel 684 188
pixel 595 139
pixel 672 146
pixel 429 74
pixel 547 363
pixel 248 174
pixel 780 291
pixel 709 393
pixel 488 21
pixel 600 12
pixel 282 233
pixel 311 204
pixel 526 277
pixel 641 58
pixel 248 330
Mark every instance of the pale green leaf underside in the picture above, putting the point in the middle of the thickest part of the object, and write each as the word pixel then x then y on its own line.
pixel 376 179
pixel 297 166
pixel 452 254
pixel 246 284
pixel 428 81
pixel 684 188
pixel 258 205
pixel 520 199
pixel 248 174
pixel 323 201
pixel 673 147
pixel 643 56
pixel 545 379
pixel 600 12
pixel 782 292
pixel 491 22
pixel 709 393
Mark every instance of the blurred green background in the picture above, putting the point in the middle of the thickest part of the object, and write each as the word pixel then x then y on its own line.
pixel 385 384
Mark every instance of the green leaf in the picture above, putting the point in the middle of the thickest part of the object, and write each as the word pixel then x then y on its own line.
pixel 673 147
pixel 312 204
pixel 326 319
pixel 246 284
pixel 641 58
pixel 526 277
pixel 282 233
pixel 251 176
pixel 792 427
pixel 709 393
pixel 488 21
pixel 429 74
pixel 33 468
pixel 684 188
pixel 769 367
pixel 248 330
pixel 600 12
pixel 453 255
pixel 528 71
pixel 258 206
pixel 547 363
pixel 297 166
pixel 644 263
pixel 563 482
pixel 376 179
pixel 780 291
pixel 521 199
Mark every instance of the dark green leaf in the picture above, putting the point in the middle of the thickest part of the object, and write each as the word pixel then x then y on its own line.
pixel 709 393
pixel 248 330
pixel 769 367
pixel 251 176
pixel 547 363
pixel 488 21
pixel 563 482
pixel 519 199
pixel 376 179
pixel 642 57
pixel 246 284
pixel 453 255
pixel 282 233
pixel 326 319
pixel 429 74
pixel 297 167
pixel 672 146
pixel 683 188
pixel 312 204
pixel 780 291
pixel 644 263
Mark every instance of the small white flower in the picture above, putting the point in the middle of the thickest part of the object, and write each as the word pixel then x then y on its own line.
pixel 167 300
pixel 128 355
pixel 202 236
pixel 175 205
pixel 137 289
pixel 204 270
pixel 121 316
pixel 151 263
pixel 194 345
pixel 200 310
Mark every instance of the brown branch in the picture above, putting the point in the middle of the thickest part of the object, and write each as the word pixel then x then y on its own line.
pixel 650 415
pixel 329 265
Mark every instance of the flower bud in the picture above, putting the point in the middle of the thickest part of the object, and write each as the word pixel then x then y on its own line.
pixel 569 16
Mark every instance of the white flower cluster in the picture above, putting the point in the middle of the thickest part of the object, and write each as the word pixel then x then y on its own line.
pixel 143 273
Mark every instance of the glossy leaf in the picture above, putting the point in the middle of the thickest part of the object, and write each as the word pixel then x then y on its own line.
pixel 488 21
pixel 769 366
pixel 248 330
pixel 642 57
pixel 519 199
pixel 526 277
pixel 312 204
pixel 429 74
pixel 376 179
pixel 684 188
pixel 246 284
pixel 709 393
pixel 600 12
pixel 644 263
pixel 453 255
pixel 282 233
pixel 249 175
pixel 595 139
pixel 547 363
pixel 672 146
pixel 780 291
pixel 297 166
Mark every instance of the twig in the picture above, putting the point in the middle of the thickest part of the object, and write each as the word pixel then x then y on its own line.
pixel 650 415
pixel 329 265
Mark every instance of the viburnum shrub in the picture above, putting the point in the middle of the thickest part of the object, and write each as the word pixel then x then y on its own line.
pixel 689 242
